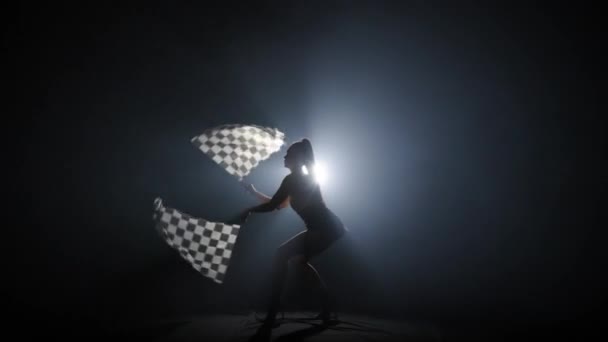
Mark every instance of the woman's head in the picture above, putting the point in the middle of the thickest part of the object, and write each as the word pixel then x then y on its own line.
pixel 298 154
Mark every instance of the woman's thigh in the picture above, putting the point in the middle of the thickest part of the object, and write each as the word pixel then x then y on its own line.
pixel 294 246
pixel 316 243
pixel 306 244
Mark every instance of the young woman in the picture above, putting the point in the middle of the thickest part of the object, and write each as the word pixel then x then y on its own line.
pixel 300 190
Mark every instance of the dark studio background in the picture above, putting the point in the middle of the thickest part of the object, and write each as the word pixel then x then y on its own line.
pixel 464 142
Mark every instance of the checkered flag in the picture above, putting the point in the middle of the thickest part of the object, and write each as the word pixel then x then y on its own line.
pixel 239 148
pixel 206 245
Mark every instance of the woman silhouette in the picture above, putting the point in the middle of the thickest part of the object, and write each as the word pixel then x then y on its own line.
pixel 300 190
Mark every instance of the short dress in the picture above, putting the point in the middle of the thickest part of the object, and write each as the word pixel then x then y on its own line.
pixel 323 226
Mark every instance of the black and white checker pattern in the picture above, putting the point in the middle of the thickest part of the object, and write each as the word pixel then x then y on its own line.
pixel 206 245
pixel 239 148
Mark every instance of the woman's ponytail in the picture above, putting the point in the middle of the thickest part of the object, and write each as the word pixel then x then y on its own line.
pixel 309 156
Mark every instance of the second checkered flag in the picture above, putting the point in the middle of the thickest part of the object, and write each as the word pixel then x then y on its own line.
pixel 206 245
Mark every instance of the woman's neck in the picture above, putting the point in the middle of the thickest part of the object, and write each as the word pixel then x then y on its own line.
pixel 298 170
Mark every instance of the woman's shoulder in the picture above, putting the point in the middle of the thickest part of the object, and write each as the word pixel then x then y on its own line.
pixel 300 181
pixel 288 180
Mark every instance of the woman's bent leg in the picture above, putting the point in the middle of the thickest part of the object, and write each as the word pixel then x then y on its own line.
pixel 286 251
pixel 323 291
pixel 316 243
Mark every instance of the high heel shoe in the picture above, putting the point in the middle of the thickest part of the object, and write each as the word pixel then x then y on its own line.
pixel 263 334
pixel 327 317
pixel 269 320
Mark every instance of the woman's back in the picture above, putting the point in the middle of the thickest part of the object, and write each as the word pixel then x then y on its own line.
pixel 306 199
pixel 304 193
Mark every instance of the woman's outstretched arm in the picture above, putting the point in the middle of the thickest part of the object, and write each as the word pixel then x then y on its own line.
pixel 278 201
pixel 257 194
pixel 264 198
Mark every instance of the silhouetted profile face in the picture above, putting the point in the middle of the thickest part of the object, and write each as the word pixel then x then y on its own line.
pixel 292 158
